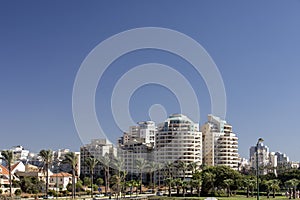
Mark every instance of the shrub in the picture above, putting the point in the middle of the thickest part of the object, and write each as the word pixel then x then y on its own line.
pixel 18 192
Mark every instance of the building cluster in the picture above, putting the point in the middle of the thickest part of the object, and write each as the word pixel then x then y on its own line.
pixel 269 162
pixel 176 140
pixel 26 164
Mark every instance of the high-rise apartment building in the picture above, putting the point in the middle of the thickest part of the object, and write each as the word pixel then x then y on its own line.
pixel 178 139
pixel 137 144
pixel 96 149
pixel 220 144
pixel 267 161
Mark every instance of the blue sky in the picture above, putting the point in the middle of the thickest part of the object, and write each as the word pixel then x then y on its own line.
pixel 255 45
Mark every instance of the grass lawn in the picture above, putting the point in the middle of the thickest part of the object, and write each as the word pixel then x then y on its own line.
pixel 219 198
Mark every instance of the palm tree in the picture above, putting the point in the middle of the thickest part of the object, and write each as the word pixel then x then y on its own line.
pixel 91 163
pixel 169 169
pixel 105 162
pixel 184 167
pixel 47 156
pixel 152 167
pixel 193 166
pixel 8 157
pixel 178 184
pixel 184 186
pixel 197 181
pixel 169 181
pixel 72 159
pixel 118 164
pixel 140 165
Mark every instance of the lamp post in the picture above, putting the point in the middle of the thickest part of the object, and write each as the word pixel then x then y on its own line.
pixel 260 140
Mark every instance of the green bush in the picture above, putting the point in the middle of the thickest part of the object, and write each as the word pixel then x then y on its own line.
pixel 52 193
pixel 18 192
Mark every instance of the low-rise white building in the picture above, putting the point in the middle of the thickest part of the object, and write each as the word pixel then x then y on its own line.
pixel 60 180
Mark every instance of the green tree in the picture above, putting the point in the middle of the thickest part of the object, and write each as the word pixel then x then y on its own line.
pixel 87 181
pixel 292 185
pixel 72 159
pixel 178 184
pixel 136 184
pixel 141 165
pixel 152 167
pixel 208 182
pixel 8 157
pixel 31 185
pixel 99 181
pixel 105 162
pixel 228 182
pixel 183 166
pixel 193 166
pixel 91 163
pixel 268 185
pixel 197 181
pixel 169 182
pixel 184 186
pixel 118 178
pixel 275 186
pixel 249 182
pixel 47 156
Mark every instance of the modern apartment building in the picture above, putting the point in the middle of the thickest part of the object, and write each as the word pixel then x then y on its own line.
pixel 144 132
pixel 220 144
pixel 137 144
pixel 267 161
pixel 178 139
pixel 96 149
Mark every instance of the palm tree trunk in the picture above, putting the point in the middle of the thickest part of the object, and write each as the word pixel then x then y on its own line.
pixel 92 176
pixel 47 178
pixel 105 177
pixel 10 181
pixel 73 184
pixel 141 180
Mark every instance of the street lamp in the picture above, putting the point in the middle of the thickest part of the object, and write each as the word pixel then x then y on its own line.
pixel 260 140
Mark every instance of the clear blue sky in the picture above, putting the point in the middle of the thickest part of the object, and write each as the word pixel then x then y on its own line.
pixel 255 44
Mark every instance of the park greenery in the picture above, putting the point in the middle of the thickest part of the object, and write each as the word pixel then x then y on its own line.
pixel 219 181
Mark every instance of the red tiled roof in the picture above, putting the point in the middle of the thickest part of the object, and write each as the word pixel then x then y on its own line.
pixel 61 174
pixel 4 170
pixel 14 166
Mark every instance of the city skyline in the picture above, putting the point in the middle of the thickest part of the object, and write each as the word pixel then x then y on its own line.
pixel 254 44
pixel 133 130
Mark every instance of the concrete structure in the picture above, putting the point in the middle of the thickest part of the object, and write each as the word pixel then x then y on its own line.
pixel 220 144
pixel 60 181
pixel 147 131
pixel 267 161
pixel 20 154
pixel 132 151
pixel 137 143
pixel 178 139
pixel 282 161
pixel 96 149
